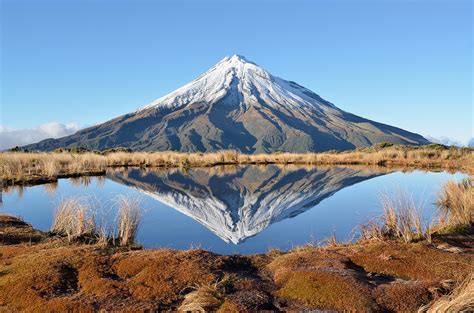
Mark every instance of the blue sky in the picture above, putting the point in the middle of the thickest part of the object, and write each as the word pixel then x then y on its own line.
pixel 405 63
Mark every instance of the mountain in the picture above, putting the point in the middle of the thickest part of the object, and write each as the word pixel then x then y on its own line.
pixel 239 202
pixel 236 105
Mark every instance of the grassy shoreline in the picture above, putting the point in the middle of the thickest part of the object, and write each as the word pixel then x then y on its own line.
pixel 395 266
pixel 44 271
pixel 29 168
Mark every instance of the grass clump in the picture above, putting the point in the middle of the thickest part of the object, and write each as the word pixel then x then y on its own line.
pixel 461 299
pixel 403 218
pixel 129 215
pixel 456 203
pixel 204 298
pixel 21 166
pixel 74 218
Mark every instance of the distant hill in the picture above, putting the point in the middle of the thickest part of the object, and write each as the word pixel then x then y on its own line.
pixel 236 105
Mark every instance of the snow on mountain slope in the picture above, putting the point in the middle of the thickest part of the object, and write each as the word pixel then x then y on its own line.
pixel 246 80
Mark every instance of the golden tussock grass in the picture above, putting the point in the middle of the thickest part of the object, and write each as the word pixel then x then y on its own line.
pixel 402 218
pixel 129 215
pixel 456 203
pixel 73 218
pixel 203 298
pixel 461 299
pixel 18 166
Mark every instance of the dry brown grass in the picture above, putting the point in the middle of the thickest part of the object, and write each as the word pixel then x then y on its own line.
pixel 74 218
pixel 19 166
pixel 129 215
pixel 402 218
pixel 372 231
pixel 461 299
pixel 456 203
pixel 204 298
pixel 77 218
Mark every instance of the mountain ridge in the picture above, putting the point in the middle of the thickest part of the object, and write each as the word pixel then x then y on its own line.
pixel 236 105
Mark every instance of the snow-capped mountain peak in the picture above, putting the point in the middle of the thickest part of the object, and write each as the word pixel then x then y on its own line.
pixel 234 59
pixel 241 79
pixel 236 104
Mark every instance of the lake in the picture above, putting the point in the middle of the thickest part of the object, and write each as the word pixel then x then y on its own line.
pixel 235 209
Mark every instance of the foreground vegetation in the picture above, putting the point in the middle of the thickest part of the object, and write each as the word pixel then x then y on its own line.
pixel 76 218
pixel 403 219
pixel 398 264
pixel 21 167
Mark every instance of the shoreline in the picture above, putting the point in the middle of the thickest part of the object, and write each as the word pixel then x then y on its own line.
pixel 42 270
pixel 22 168
pixel 397 265
pixel 42 180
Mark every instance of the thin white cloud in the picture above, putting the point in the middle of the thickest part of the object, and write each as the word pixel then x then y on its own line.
pixel 10 137
pixel 449 141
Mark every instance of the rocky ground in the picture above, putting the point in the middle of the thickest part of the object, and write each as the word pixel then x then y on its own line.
pixel 39 272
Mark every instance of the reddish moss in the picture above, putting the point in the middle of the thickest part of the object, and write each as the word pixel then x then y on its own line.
pixel 413 296
pixel 411 261
pixel 230 307
pixel 321 279
pixel 15 231
pixel 326 290
pixel 54 276
pixel 162 275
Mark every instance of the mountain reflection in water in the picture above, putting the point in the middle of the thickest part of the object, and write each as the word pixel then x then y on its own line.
pixel 237 202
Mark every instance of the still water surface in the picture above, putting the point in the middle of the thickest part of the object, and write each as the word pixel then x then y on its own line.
pixel 247 209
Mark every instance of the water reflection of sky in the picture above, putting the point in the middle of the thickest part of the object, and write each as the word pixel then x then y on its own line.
pixel 347 199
